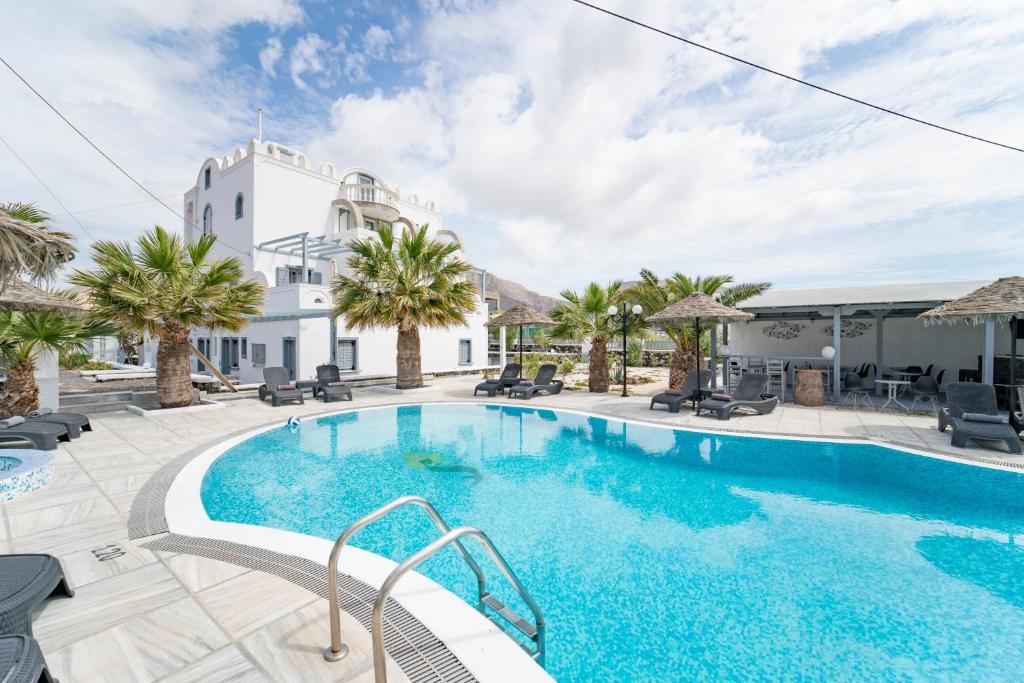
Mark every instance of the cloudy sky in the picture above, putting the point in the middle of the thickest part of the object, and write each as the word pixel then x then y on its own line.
pixel 563 144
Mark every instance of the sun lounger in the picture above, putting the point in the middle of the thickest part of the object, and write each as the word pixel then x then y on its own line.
pixel 544 381
pixel 279 387
pixel 748 395
pixel 21 661
pixel 509 377
pixel 1018 415
pixel 972 412
pixel 74 422
pixel 25 582
pixel 329 384
pixel 42 435
pixel 674 399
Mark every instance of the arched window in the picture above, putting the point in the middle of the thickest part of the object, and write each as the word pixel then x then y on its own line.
pixel 239 205
pixel 208 220
pixel 206 178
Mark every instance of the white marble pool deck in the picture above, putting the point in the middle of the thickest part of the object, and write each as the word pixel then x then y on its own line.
pixel 140 615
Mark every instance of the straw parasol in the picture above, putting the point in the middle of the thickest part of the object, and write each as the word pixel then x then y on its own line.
pixel 697 307
pixel 520 315
pixel 1001 301
pixel 19 295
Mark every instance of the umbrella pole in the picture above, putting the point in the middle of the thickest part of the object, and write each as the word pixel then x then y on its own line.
pixel 1013 364
pixel 520 353
pixel 696 332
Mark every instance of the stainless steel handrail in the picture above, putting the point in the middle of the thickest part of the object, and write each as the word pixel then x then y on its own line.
pixel 453 536
pixel 337 649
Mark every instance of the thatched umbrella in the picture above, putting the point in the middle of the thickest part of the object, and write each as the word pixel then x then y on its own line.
pixel 520 314
pixel 28 245
pixel 696 307
pixel 1001 301
pixel 19 295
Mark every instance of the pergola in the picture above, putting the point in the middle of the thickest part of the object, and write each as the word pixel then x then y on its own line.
pixel 874 302
pixel 302 245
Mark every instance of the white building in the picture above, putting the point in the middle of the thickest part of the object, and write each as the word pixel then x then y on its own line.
pixel 290 224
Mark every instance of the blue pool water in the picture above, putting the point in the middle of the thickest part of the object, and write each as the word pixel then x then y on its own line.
pixel 663 555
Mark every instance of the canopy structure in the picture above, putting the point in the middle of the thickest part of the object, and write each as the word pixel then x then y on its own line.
pixel 697 307
pixel 1001 301
pixel 18 295
pixel 520 315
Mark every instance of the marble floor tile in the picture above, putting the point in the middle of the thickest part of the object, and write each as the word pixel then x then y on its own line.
pixel 249 601
pixel 49 497
pixel 199 573
pixel 82 510
pixel 145 647
pixel 227 665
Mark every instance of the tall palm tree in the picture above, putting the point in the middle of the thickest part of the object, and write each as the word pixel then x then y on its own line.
pixel 166 286
pixel 584 317
pixel 28 246
pixel 654 294
pixel 408 282
pixel 23 337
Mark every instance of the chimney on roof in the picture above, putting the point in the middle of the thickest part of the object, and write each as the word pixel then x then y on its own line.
pixel 259 124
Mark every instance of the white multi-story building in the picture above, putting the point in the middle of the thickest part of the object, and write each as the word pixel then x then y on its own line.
pixel 290 224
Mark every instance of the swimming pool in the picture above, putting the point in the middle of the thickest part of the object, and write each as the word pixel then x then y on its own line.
pixel 662 554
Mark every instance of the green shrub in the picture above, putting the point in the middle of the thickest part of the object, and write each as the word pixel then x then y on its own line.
pixel 635 353
pixel 566 366
pixel 96 365
pixel 71 361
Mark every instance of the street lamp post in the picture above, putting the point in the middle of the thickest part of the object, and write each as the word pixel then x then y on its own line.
pixel 613 311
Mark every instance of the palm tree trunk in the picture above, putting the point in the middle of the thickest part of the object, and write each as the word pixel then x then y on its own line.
pixel 173 371
pixel 598 381
pixel 21 395
pixel 408 359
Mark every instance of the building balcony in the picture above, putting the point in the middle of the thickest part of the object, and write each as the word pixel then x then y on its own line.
pixel 374 201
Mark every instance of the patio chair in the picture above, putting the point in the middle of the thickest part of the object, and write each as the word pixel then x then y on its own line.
pixel 928 370
pixel 673 399
pixel 1018 413
pixel 856 390
pixel 74 422
pixel 25 582
pixel 509 376
pixel 21 661
pixel 749 394
pixel 925 388
pixel 544 381
pixel 329 384
pixel 973 414
pixel 279 387
pixel 42 435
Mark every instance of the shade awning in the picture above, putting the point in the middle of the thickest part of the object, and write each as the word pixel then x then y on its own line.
pixel 1001 301
pixel 700 305
pixel 520 314
pixel 18 295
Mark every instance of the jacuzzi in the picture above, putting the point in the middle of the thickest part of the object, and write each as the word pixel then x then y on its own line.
pixel 23 470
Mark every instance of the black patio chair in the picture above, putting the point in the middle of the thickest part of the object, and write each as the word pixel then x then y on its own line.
pixel 749 395
pixel 25 582
pixel 544 381
pixel 925 388
pixel 21 661
pixel 674 399
pixel 856 390
pixel 329 384
pixel 509 376
pixel 279 386
pixel 973 414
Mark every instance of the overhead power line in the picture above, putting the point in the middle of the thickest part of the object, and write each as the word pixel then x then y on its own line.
pixel 820 88
pixel 103 154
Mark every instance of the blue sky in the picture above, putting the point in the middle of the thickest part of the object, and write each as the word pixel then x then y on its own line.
pixel 562 144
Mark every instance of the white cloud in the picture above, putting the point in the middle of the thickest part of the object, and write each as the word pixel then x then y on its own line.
pixel 376 42
pixel 307 58
pixel 270 55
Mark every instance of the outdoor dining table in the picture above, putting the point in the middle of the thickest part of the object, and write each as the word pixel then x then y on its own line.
pixel 893 387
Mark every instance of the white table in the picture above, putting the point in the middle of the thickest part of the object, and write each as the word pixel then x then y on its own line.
pixel 893 386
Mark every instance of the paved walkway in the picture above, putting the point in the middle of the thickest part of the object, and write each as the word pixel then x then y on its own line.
pixel 146 616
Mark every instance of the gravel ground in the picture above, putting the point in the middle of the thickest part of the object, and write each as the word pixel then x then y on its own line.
pixel 71 382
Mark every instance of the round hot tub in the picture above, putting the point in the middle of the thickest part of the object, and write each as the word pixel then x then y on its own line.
pixel 23 470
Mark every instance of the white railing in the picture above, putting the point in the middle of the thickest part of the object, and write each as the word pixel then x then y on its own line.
pixel 370 193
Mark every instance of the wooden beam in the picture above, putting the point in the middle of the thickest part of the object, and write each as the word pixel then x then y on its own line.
pixel 216 373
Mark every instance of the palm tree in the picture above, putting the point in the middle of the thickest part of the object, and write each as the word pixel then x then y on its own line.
pixel 584 317
pixel 166 286
pixel 655 294
pixel 407 282
pixel 27 244
pixel 23 337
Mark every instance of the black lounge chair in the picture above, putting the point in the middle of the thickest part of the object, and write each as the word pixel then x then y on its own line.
pixel 329 384
pixel 973 414
pixel 1018 413
pixel 74 422
pixel 544 381
pixel 42 435
pixel 508 377
pixel 25 582
pixel 279 387
pixel 856 390
pixel 21 661
pixel 672 400
pixel 749 394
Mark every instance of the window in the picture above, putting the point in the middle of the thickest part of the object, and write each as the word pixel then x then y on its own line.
pixel 346 354
pixel 259 354
pixel 239 205
pixel 465 351
pixel 208 220
pixel 206 178
pixel 245 347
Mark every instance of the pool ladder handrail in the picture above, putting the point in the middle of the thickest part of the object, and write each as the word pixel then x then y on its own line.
pixel 337 650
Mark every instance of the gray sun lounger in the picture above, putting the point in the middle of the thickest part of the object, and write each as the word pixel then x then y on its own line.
pixel 748 395
pixel 509 377
pixel 21 661
pixel 973 413
pixel 673 400
pixel 42 435
pixel 25 582
pixel 275 379
pixel 74 422
pixel 544 381
pixel 1018 414
pixel 329 384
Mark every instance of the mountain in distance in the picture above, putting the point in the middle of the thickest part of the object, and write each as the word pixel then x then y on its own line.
pixel 513 293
